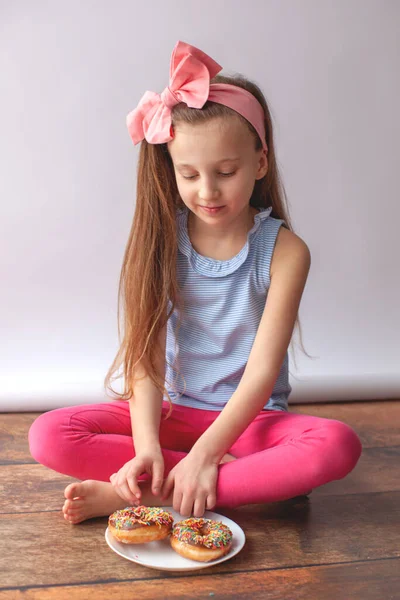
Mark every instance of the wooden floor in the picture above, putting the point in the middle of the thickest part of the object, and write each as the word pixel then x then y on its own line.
pixel 341 543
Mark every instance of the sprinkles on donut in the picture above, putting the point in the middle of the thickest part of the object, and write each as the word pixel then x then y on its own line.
pixel 201 539
pixel 140 524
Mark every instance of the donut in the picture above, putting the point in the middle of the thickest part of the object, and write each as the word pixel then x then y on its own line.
pixel 201 539
pixel 140 524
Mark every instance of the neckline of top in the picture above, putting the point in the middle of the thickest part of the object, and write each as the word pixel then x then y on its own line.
pixel 212 267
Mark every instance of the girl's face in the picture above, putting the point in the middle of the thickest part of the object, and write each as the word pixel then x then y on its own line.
pixel 215 165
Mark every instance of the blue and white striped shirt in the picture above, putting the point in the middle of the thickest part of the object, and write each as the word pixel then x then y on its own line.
pixel 223 304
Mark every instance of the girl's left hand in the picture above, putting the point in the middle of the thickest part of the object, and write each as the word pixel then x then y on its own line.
pixel 194 481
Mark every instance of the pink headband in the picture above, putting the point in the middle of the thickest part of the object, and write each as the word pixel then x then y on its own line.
pixel 189 81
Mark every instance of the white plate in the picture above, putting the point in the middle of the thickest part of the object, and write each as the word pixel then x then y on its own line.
pixel 160 555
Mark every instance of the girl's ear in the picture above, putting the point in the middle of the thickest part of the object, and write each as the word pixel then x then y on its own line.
pixel 262 165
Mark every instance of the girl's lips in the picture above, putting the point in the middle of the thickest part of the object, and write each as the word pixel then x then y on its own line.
pixel 212 210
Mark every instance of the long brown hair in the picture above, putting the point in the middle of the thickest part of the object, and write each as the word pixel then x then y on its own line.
pixel 148 286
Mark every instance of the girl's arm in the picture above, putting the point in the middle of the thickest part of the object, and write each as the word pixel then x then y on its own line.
pixel 146 404
pixel 289 272
pixel 145 410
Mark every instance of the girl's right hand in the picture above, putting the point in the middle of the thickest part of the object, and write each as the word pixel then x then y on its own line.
pixel 125 480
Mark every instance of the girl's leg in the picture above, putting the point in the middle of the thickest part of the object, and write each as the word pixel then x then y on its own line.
pixel 90 442
pixel 93 441
pixel 282 455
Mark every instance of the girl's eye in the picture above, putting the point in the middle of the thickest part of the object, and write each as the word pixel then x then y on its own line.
pixel 223 174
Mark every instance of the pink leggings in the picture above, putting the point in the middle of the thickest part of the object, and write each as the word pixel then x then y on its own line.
pixel 280 455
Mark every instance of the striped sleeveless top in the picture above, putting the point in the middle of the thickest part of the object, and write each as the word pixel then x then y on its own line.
pixel 223 305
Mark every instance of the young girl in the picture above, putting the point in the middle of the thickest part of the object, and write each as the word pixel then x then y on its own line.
pixel 212 280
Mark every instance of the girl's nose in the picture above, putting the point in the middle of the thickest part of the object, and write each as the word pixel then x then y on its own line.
pixel 208 192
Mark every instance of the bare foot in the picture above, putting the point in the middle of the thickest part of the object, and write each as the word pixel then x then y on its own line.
pixel 90 498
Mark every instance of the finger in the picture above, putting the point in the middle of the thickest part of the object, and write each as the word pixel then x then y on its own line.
pixel 116 475
pixel 157 479
pixel 211 501
pixel 132 482
pixel 135 470
pixel 119 482
pixel 186 505
pixel 199 506
pixel 125 493
pixel 167 487
pixel 134 488
pixel 176 501
pixel 119 477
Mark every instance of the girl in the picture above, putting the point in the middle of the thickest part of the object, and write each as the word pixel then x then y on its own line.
pixel 212 280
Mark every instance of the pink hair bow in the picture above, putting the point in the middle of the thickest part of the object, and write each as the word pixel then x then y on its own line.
pixel 189 81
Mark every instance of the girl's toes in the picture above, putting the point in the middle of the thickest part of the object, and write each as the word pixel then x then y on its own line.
pixel 67 505
pixel 74 490
pixel 70 491
pixel 73 517
pixel 77 519
pixel 72 507
pixel 74 504
pixel 73 510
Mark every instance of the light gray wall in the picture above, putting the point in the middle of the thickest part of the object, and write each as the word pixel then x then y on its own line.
pixel 70 73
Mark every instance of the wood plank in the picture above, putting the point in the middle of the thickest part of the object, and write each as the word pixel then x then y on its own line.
pixel 377 423
pixel 42 549
pixel 31 488
pixel 371 580
pixel 378 470
pixel 34 488
pixel 14 447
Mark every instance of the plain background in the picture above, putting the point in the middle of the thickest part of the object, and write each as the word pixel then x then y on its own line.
pixel 71 72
